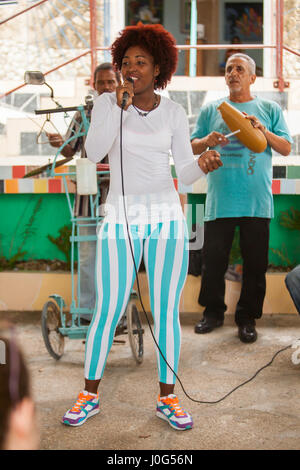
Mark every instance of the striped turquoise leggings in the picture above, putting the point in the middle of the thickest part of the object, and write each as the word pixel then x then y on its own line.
pixel 164 247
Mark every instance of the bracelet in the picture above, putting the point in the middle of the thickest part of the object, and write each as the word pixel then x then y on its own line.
pixel 204 151
pixel 201 154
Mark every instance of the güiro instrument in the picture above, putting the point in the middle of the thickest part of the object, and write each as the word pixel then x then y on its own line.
pixel 250 136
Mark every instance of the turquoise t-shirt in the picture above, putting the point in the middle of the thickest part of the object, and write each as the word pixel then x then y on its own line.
pixel 243 186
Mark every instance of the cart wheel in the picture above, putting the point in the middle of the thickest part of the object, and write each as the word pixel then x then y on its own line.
pixel 51 321
pixel 135 332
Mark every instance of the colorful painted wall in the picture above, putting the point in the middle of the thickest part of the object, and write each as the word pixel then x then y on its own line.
pixel 28 218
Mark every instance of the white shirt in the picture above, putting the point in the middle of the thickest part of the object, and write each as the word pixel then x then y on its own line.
pixel 149 189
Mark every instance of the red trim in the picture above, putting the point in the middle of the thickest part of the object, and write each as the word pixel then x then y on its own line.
pixel 18 171
pixel 54 185
pixel 276 184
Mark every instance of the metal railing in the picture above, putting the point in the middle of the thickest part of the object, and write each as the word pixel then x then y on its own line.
pixel 281 84
pixel 22 11
pixel 89 51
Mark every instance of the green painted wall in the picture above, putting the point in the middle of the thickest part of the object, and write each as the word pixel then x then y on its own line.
pixel 27 219
pixel 286 241
pixel 281 238
pixel 20 228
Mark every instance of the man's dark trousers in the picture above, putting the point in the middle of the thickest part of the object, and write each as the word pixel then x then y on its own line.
pixel 254 244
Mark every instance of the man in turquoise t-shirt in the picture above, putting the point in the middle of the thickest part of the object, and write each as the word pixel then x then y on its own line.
pixel 239 194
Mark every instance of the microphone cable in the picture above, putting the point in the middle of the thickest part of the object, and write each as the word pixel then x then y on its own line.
pixel 143 308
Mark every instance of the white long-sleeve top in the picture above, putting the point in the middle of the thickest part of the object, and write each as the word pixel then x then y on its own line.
pixel 150 193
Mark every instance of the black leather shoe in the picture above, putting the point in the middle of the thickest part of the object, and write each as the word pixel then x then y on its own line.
pixel 247 333
pixel 206 326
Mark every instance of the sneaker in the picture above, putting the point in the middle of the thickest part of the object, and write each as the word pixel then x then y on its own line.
pixel 86 405
pixel 168 408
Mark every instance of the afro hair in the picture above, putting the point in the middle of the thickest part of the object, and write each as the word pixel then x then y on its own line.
pixel 156 41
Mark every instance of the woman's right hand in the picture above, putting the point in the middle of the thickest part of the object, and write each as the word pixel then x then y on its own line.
pixel 209 161
pixel 120 90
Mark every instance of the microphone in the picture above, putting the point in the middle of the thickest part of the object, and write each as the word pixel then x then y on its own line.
pixel 126 94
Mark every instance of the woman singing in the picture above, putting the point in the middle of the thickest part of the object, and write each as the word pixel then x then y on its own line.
pixel 152 126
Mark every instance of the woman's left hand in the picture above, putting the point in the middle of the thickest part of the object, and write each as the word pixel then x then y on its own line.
pixel 209 161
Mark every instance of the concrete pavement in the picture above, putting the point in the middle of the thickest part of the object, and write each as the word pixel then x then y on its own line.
pixel 264 414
